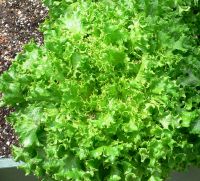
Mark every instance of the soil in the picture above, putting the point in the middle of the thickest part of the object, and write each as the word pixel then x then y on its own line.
pixel 19 21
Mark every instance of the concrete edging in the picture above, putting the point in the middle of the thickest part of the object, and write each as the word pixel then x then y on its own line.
pixel 8 163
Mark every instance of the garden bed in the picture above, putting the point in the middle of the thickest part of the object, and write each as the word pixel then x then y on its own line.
pixel 166 145
pixel 19 20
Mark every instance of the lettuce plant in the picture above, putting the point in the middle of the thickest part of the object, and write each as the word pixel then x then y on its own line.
pixel 112 94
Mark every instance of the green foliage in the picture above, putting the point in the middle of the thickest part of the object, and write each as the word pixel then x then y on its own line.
pixel 112 94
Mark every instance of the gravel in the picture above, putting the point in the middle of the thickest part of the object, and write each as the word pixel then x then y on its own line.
pixel 19 20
